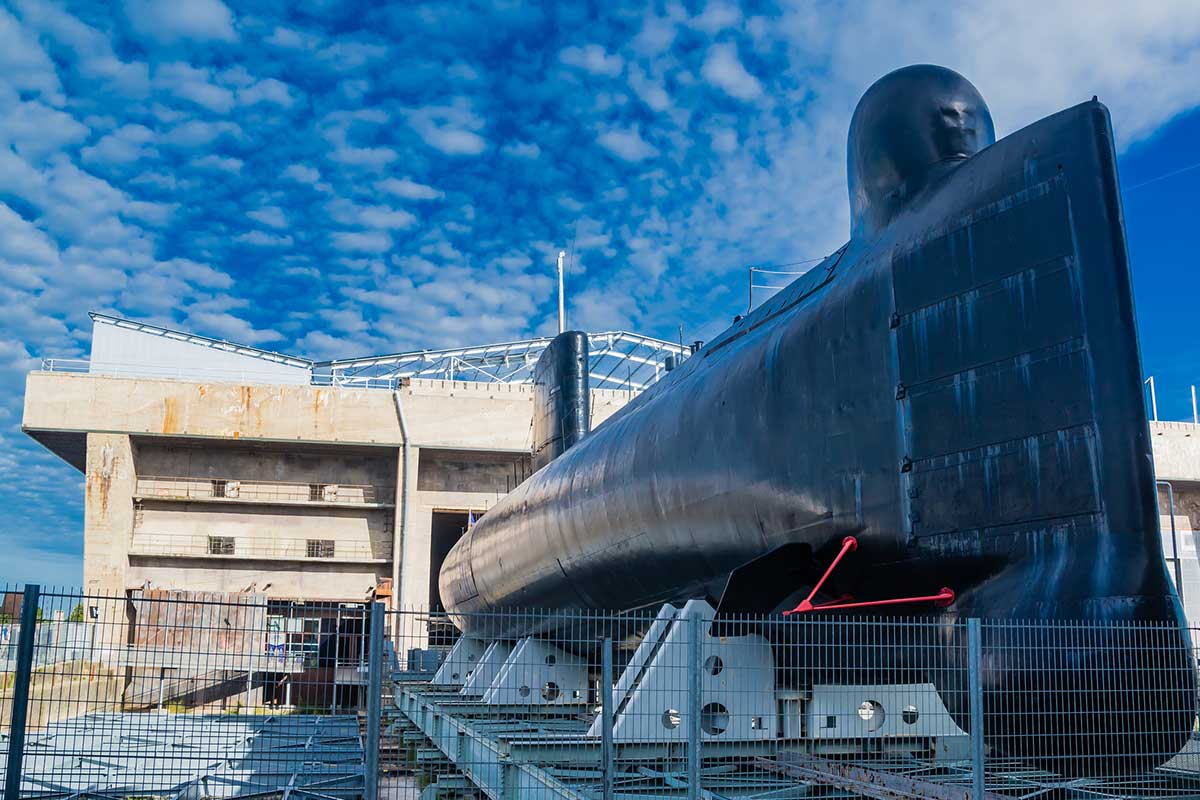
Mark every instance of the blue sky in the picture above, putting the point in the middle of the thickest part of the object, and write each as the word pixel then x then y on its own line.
pixel 346 179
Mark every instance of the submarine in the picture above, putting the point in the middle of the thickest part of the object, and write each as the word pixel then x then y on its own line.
pixel 949 408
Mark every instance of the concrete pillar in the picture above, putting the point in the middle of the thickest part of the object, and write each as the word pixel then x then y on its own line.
pixel 402 544
pixel 108 512
pixel 111 482
pixel 414 590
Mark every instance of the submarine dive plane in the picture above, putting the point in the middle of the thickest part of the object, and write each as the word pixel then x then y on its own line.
pixel 958 388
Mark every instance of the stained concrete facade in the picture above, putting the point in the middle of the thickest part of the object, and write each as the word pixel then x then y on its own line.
pixel 293 491
pixel 1177 468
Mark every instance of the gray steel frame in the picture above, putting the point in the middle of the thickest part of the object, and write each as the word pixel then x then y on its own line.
pixel 618 360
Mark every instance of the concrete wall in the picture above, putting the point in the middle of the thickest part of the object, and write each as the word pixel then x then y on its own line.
pixel 462 471
pixel 125 351
pixel 267 464
pixel 312 580
pixel 1176 450
pixel 443 414
pixel 270 531
pixel 1177 461
pixel 469 446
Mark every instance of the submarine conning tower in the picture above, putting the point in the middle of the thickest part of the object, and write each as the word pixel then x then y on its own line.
pixel 909 127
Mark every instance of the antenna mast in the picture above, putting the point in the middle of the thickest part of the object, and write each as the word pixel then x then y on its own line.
pixel 562 308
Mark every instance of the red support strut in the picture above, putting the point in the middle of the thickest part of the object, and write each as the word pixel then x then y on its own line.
pixel 943 598
pixel 849 544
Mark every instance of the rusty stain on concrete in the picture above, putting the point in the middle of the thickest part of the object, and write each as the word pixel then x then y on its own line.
pixel 170 414
pixel 103 477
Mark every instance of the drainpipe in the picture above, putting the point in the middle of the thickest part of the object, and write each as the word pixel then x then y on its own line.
pixel 405 512
pixel 1174 535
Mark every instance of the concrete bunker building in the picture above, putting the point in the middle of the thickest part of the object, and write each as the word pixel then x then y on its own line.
pixel 216 467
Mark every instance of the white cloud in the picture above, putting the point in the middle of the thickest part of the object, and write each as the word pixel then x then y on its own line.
pixel 223 163
pixel 408 189
pixel 194 20
pixel 649 90
pixel 263 239
pixel 90 49
pixel 293 39
pixel 449 128
pixel 23 63
pixel 521 150
pixel 156 215
pixel 594 59
pixel 347 55
pixel 125 145
pixel 267 90
pixel 35 130
pixel 226 326
pixel 198 133
pixel 723 69
pixel 369 157
pixel 352 214
pixel 302 173
pixel 271 216
pixel 385 218
pixel 201 274
pixel 361 242
pixel 718 15
pixel 627 144
pixel 196 85
pixel 21 243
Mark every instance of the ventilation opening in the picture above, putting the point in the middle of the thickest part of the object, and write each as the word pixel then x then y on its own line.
pixel 872 713
pixel 714 719
pixel 319 548
pixel 220 546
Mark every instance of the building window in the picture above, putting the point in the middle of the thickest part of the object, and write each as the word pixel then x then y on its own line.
pixel 316 492
pixel 320 548
pixel 218 488
pixel 220 545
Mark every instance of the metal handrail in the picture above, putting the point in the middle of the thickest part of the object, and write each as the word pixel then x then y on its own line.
pixel 260 545
pixel 171 372
pixel 182 487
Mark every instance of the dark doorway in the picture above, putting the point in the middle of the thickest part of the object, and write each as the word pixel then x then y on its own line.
pixel 448 528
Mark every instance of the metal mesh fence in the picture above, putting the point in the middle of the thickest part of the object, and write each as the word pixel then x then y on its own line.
pixel 162 693
pixel 183 694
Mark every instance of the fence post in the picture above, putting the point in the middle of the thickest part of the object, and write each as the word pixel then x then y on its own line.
pixel 693 717
pixel 606 716
pixel 974 667
pixel 20 700
pixel 374 701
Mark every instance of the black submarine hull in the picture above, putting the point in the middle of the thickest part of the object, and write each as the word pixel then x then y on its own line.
pixel 960 390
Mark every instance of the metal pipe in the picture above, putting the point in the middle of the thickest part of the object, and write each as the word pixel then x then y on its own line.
pixel 374 700
pixel 1195 416
pixel 1174 536
pixel 403 500
pixel 975 686
pixel 20 696
pixel 1153 399
pixel 606 718
pixel 693 708
pixel 562 308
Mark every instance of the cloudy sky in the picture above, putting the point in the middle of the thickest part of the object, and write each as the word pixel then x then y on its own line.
pixel 345 179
